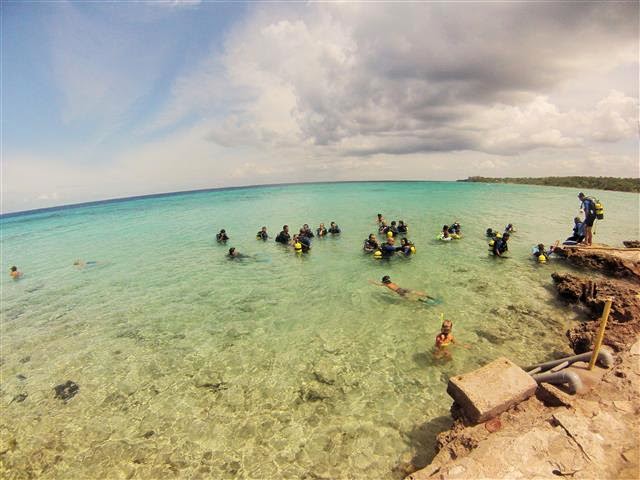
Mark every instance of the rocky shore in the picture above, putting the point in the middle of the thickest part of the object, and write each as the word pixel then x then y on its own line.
pixel 593 434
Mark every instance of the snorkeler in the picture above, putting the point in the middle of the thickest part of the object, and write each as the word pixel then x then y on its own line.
pixel 262 234
pixel 82 264
pixel 321 231
pixel 15 273
pixel 222 237
pixel 284 237
pixel 370 244
pixel 402 227
pixel 334 229
pixel 403 292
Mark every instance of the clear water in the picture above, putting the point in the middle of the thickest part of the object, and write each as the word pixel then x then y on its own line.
pixel 280 366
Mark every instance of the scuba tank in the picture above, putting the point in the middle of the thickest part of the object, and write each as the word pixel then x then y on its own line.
pixel 599 209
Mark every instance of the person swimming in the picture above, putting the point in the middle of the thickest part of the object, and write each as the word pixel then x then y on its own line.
pixel 334 229
pixel 371 244
pixel 222 236
pixel 15 273
pixel 284 237
pixel 321 231
pixel 403 292
pixel 262 234
pixel 82 264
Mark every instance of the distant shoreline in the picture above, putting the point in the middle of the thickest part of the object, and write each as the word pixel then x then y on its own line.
pixel 600 183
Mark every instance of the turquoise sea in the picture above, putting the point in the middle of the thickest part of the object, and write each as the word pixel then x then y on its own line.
pixel 282 365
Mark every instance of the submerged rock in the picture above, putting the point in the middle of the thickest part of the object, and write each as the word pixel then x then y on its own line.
pixel 66 391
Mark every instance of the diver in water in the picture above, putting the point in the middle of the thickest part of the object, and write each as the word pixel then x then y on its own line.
pixel 262 234
pixel 500 246
pixel 380 219
pixel 321 231
pixel 490 233
pixel 334 229
pixel 284 237
pixel 222 236
pixel 306 231
pixel 389 248
pixel 402 227
pixel 455 228
pixel 370 244
pixel 407 247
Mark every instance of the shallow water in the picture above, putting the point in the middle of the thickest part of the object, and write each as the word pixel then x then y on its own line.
pixel 279 366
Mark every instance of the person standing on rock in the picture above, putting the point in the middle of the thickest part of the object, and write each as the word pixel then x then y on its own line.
pixel 588 206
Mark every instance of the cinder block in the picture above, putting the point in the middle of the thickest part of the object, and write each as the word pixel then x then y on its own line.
pixel 491 390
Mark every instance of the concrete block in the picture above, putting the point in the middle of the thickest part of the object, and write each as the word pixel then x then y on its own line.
pixel 491 390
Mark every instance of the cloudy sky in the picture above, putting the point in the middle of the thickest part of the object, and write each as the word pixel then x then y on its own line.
pixel 118 99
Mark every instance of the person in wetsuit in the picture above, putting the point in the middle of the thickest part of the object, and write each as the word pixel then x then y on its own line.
pixel 321 231
pixel 406 247
pixel 306 231
pixel 334 229
pixel 588 206
pixel 500 246
pixel 222 236
pixel 578 232
pixel 402 227
pixel 370 244
pixel 284 237
pixel 262 234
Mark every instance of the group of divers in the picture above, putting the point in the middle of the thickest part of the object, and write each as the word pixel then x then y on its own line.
pixel 498 247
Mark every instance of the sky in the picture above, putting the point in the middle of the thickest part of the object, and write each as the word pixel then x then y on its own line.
pixel 104 100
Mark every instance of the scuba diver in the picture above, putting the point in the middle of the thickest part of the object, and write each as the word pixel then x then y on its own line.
pixel 334 229
pixel 578 233
pixel 284 237
pixel 391 228
pixel 455 228
pixel 389 248
pixel 370 244
pixel 509 228
pixel 301 243
pixel 542 255
pixel 262 234
pixel 383 227
pixel 402 227
pixel 500 247
pixel 321 231
pixel 588 206
pixel 407 247
pixel 306 231
pixel 444 235
pixel 235 254
pixel 403 292
pixel 490 233
pixel 222 237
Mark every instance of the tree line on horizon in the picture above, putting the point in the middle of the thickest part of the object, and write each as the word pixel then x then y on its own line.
pixel 599 183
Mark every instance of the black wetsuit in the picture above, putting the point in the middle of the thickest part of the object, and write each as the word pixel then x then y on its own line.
pixel 262 235
pixel 500 246
pixel 370 245
pixel 283 237
pixel 334 230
